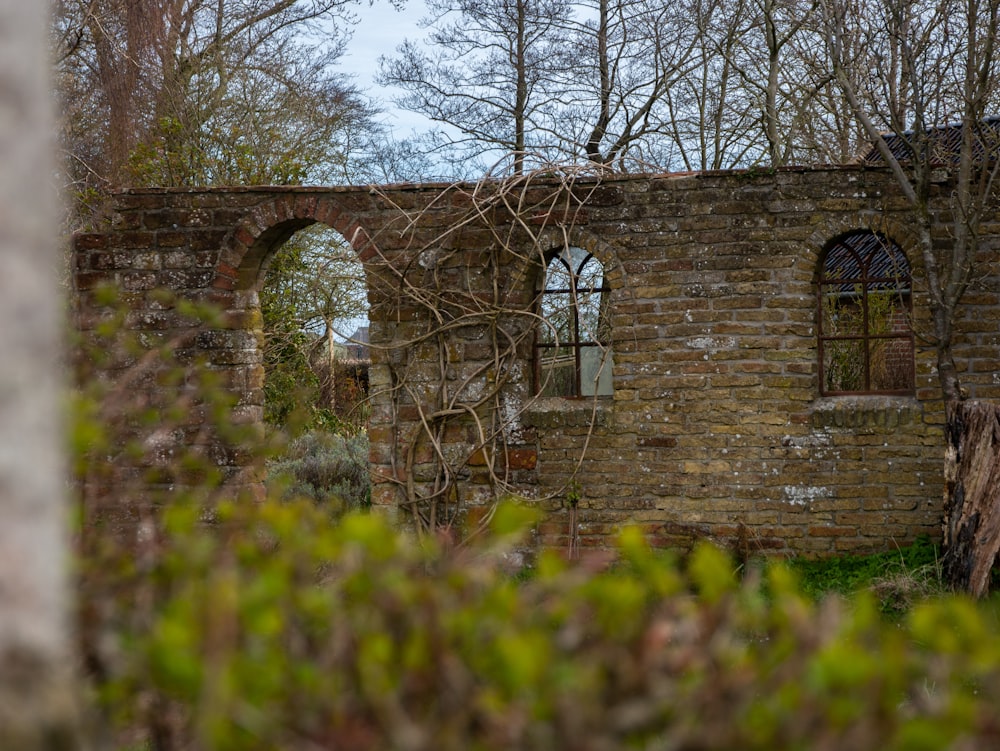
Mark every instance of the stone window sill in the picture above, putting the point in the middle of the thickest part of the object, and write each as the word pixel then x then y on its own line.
pixel 556 411
pixel 869 410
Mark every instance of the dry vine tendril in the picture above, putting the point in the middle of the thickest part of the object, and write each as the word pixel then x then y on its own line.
pixel 458 377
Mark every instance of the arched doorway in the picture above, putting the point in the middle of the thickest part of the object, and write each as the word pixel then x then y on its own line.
pixel 312 308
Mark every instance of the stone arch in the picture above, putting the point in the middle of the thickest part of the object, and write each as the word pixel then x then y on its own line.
pixel 806 265
pixel 605 252
pixel 266 226
pixel 873 221
pixel 608 253
pixel 239 274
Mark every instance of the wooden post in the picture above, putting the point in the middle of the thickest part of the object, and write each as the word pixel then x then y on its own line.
pixel 972 496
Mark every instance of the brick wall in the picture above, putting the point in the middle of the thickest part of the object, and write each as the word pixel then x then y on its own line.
pixel 715 428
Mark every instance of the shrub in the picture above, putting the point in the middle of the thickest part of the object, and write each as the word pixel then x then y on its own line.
pixel 328 468
pixel 278 628
pixel 208 622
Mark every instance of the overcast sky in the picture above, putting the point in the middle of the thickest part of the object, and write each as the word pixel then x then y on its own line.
pixel 380 30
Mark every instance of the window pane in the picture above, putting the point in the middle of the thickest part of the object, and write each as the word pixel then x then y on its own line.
pixel 844 365
pixel 841 263
pixel 887 262
pixel 589 309
pixel 595 371
pixel 574 257
pixel 557 276
pixel 557 324
pixel 891 364
pixel 887 312
pixel 864 299
pixel 557 371
pixel 575 313
pixel 842 312
pixel 591 276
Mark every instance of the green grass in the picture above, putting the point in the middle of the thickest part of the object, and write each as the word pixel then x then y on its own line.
pixel 898 577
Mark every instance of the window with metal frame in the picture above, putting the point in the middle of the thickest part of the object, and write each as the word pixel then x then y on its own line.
pixel 572 340
pixel 864 309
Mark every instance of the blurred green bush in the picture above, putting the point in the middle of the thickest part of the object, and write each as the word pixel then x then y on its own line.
pixel 276 627
pixel 208 622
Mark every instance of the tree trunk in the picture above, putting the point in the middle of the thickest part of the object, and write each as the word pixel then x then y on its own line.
pixel 972 495
pixel 36 691
pixel 331 346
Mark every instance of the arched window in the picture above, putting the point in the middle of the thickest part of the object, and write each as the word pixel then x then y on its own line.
pixel 572 342
pixel 864 309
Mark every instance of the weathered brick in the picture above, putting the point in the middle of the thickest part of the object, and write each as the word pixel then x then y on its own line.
pixel 715 428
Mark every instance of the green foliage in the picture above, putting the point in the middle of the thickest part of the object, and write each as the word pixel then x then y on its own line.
pixel 216 622
pixel 313 282
pixel 275 627
pixel 291 387
pixel 214 154
pixel 330 469
pixel 845 367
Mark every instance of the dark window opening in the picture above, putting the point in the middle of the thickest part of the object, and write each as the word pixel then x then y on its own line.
pixel 864 313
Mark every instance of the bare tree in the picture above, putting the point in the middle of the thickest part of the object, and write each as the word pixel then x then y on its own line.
pixel 756 92
pixel 923 97
pixel 551 82
pixel 489 75
pixel 786 75
pixel 710 110
pixel 628 55
pixel 169 92
pixel 827 131
pixel 36 694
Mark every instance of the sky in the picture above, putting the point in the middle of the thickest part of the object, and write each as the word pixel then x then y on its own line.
pixel 380 30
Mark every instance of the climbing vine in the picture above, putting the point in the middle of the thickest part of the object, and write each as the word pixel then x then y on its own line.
pixel 457 379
